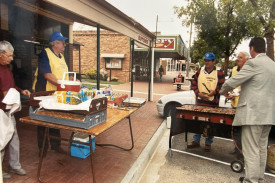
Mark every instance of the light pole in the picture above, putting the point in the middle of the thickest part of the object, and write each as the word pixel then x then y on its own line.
pixel 189 49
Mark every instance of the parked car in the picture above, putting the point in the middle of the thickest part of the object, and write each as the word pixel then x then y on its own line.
pixel 167 104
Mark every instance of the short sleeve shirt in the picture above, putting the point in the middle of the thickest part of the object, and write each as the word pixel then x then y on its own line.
pixel 43 68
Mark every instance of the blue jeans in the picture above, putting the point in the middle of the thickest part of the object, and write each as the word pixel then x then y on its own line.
pixel 197 138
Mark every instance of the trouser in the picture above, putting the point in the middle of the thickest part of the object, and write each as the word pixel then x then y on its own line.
pixel 254 144
pixel 197 138
pixel 237 134
pixel 14 149
pixel 1 176
pixel 55 143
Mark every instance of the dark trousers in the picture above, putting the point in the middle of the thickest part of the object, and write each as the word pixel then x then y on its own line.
pixel 55 144
pixel 237 137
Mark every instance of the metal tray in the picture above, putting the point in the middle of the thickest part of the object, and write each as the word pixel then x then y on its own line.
pixel 69 118
pixel 134 101
pixel 97 105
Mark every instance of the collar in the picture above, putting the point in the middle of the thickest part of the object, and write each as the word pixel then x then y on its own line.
pixel 59 56
pixel 210 71
pixel 260 54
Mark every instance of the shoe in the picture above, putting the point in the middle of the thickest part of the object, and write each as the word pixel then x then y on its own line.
pixel 241 179
pixel 207 148
pixel 59 150
pixel 193 145
pixel 19 171
pixel 6 175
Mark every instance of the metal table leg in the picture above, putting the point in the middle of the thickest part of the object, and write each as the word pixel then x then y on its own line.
pixel 132 140
pixel 46 134
pixel 92 158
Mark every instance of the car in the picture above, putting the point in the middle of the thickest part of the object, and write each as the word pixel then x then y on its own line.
pixel 167 104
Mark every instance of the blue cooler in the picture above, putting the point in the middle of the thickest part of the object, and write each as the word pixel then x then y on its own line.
pixel 80 150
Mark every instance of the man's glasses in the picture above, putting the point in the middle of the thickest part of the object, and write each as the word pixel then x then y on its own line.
pixel 9 56
pixel 64 43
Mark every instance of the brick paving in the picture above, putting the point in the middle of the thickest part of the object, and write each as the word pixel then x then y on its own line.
pixel 110 164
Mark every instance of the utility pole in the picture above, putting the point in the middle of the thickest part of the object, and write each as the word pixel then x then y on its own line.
pixel 152 64
pixel 189 49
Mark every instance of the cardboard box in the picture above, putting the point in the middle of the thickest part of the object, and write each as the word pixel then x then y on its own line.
pixel 118 101
pixel 80 150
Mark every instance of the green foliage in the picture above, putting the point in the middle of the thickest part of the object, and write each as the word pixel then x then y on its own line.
pixel 221 25
pixel 91 74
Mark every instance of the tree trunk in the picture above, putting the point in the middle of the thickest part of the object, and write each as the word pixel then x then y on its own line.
pixel 270 44
pixel 226 61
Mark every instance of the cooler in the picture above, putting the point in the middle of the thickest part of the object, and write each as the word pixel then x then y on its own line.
pixel 80 150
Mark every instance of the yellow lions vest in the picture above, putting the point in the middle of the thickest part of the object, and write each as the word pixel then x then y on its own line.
pixel 58 67
pixel 234 102
pixel 209 81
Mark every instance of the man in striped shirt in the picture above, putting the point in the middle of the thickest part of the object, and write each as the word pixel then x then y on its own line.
pixel 206 85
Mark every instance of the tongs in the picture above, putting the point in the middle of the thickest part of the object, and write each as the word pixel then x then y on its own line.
pixel 206 87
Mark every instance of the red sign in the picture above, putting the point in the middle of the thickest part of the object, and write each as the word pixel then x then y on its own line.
pixel 143 40
pixel 165 43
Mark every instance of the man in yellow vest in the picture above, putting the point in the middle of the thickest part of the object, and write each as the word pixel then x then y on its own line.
pixel 234 97
pixel 51 66
pixel 206 85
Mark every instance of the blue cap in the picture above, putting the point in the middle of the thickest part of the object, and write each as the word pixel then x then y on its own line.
pixel 209 56
pixel 57 36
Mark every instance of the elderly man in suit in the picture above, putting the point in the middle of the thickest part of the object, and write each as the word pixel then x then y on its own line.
pixel 256 108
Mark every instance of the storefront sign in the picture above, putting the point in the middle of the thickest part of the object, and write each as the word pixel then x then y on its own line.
pixel 165 43
pixel 143 40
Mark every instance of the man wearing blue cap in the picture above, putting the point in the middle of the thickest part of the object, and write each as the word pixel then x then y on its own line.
pixel 206 85
pixel 51 66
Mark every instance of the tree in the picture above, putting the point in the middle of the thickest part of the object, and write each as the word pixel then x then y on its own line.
pixel 218 24
pixel 223 24
pixel 265 11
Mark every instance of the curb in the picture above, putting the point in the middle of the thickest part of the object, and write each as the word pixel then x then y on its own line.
pixel 137 169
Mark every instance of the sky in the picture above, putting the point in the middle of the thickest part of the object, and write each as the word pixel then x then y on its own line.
pixel 146 11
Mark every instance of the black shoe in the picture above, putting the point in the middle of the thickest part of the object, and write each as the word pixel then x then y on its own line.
pixel 241 179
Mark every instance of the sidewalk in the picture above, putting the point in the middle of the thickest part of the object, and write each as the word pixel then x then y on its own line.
pixel 111 164
pixel 192 165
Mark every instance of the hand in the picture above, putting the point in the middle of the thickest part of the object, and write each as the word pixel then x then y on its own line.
pixel 228 96
pixel 26 92
pixel 212 93
pixel 71 78
pixel 203 96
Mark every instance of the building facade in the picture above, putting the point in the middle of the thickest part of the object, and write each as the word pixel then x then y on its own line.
pixel 115 56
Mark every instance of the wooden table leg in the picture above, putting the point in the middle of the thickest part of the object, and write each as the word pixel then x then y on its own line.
pixel 46 134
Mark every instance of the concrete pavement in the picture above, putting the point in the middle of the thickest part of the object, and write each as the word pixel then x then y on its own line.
pixel 155 165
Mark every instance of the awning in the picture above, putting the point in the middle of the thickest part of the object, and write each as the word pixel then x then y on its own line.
pixel 109 55
pixel 107 16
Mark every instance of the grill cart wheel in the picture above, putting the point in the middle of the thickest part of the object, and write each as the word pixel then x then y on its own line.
pixel 237 166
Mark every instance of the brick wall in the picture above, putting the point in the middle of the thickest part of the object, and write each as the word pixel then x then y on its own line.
pixel 110 43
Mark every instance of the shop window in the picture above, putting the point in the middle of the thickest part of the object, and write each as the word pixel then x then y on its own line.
pixel 113 63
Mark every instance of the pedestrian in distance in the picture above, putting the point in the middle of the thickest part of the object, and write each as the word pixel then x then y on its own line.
pixel 160 71
pixel 255 112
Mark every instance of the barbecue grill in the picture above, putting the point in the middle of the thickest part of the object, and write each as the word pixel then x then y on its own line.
pixel 209 121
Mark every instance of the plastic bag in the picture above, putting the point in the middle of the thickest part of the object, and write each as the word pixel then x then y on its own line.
pixel 6 129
